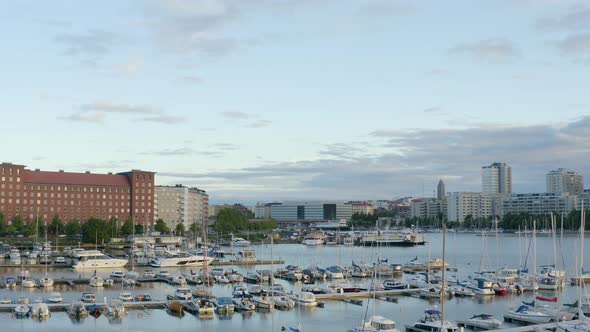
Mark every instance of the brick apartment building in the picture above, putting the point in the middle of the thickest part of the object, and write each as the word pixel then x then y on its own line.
pixel 76 196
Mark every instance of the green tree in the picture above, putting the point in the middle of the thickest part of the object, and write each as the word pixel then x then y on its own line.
pixel 194 228
pixel 161 226
pixel 2 225
pixel 230 220
pixel 96 231
pixel 126 228
pixel 18 224
pixel 179 229
pixel 56 226
pixel 29 229
pixel 114 226
pixel 72 228
pixel 139 229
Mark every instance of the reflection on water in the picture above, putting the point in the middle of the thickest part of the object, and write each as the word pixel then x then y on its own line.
pixel 463 251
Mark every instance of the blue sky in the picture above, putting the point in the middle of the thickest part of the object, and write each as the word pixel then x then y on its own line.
pixel 256 100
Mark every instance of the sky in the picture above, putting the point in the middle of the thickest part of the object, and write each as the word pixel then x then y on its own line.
pixel 267 100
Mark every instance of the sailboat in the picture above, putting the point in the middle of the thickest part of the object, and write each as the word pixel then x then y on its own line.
pixel 46 281
pixel 434 320
pixel 132 275
pixel 582 324
pixel 528 312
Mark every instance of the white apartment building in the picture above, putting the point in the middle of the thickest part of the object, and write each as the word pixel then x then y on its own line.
pixel 462 204
pixel 429 207
pixel 496 179
pixel 562 181
pixel 540 203
pixel 180 204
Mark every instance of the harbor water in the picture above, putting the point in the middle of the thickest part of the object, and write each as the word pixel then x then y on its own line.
pixel 466 252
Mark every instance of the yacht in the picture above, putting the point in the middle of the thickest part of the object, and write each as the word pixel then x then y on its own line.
pixel 376 324
pixel 93 259
pixel 484 321
pixel 55 297
pixel 96 281
pixel 529 314
pixel 115 309
pixel 46 282
pixel 125 297
pixel 22 311
pixel 77 310
pixel 314 239
pixel 239 242
pixel 183 293
pixel 40 310
pixel 394 284
pixel 305 299
pixel 169 259
pixel 432 322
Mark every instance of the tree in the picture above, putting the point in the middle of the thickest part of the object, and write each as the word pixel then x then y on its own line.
pixel 138 228
pixel 230 220
pixel 30 229
pixel 114 226
pixel 179 228
pixel 96 231
pixel 126 228
pixel 18 224
pixel 161 226
pixel 72 228
pixel 2 224
pixel 56 226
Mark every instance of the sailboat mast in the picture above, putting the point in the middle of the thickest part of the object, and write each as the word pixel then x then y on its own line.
pixel 581 285
pixel 535 263
pixel 442 289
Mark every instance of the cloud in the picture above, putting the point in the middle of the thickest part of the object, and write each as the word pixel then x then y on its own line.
pixel 109 164
pixel 110 107
pixel 91 46
pixel 259 124
pixel 574 45
pixel 387 8
pixel 90 117
pixel 578 18
pixel 185 152
pixel 165 119
pixel 433 109
pixel 492 51
pixel 398 163
pixel 236 115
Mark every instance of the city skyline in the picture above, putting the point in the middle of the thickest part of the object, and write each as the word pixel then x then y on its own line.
pixel 337 109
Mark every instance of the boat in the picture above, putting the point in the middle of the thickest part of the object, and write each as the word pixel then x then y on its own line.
pixel 314 239
pixel 243 304
pixel 45 282
pixel 60 260
pixel 223 305
pixel 246 255
pixel 432 322
pixel 125 297
pixel 148 274
pixel 5 300
pixel 390 284
pixel 256 290
pixel 109 282
pixel 203 306
pixel 376 324
pixel 115 309
pixel 252 278
pixel 77 310
pixel 529 314
pixel 21 311
pixel 40 310
pixel 335 272
pixel 88 298
pixel 461 291
pixel 96 281
pixel 117 275
pixel 240 292
pixel 305 299
pixel 263 302
pixel 484 321
pixel 482 286
pixel 95 259
pixel 183 293
pixel 143 297
pixel 28 283
pixel 10 282
pixel 175 307
pixel 283 302
pixel 128 282
pixel 239 242
pixel 55 297
pixel 178 280
pixel 95 310
pixel 180 258
pixel 163 274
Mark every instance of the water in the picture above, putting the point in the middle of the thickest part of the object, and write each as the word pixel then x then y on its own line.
pixel 463 251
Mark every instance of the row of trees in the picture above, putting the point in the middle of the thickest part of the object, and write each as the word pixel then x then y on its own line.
pixel 232 220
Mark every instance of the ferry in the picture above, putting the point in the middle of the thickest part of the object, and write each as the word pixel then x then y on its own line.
pixel 93 259
pixel 170 259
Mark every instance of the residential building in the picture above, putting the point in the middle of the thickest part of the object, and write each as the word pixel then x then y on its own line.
pixel 562 181
pixel 463 204
pixel 496 179
pixel 311 210
pixel 40 194
pixel 540 203
pixel 181 205
pixel 361 208
pixel 429 208
pixel 440 190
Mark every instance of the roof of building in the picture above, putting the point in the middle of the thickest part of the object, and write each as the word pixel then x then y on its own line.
pixel 76 178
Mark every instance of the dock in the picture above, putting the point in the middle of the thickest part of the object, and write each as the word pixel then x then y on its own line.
pixel 366 294
pixel 221 263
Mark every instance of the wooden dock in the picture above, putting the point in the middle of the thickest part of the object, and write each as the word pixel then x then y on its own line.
pixel 366 295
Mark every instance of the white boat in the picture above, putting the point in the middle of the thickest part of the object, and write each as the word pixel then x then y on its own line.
pixel 109 282
pixel 60 260
pixel 115 309
pixel 417 281
pixel 55 297
pixel 432 322
pixel 529 314
pixel 376 324
pixel 314 240
pixel 461 290
pixel 40 310
pixel 243 304
pixel 77 310
pixel 125 297
pixel 94 259
pixel 239 242
pixel 263 302
pixel 305 299
pixel 149 274
pixel 179 280
pixel 132 275
pixel 394 284
pixel 203 306
pixel 28 283
pixel 127 282
pixel 88 298
pixel 224 305
pixel 117 275
pixel 246 255
pixel 180 259
pixel 45 282
pixel 283 302
pixel 22 310
pixel 5 300
pixel 484 321
pixel 334 272
pixel 183 293
pixel 96 281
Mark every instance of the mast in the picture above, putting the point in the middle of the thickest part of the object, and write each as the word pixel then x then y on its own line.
pixel 581 285
pixel 535 263
pixel 442 289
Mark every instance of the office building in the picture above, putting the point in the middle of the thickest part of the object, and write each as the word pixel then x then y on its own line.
pixel 181 205
pixel 311 210
pixel 440 190
pixel 75 196
pixel 361 208
pixel 496 179
pixel 562 181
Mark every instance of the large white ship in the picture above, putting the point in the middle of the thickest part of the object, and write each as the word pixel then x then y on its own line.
pixel 94 259
pixel 314 239
pixel 181 258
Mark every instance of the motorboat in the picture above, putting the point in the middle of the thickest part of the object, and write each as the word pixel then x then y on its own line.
pixel 482 286
pixel 40 310
pixel 55 297
pixel 241 292
pixel 60 260
pixel 125 297
pixel 46 282
pixel 96 281
pixel 117 275
pixel 132 275
pixel 243 304
pixel 148 274
pixel 461 290
pixel 115 309
pixel 390 284
pixel 283 302
pixel 246 255
pixel 252 278
pixel 221 279
pixel 175 307
pixel 88 298
pixel 77 310
pixel 376 324
pixel 334 272
pixel 183 293
pixel 548 283
pixel 239 242
pixel 23 300
pixel 224 305
pixel 314 239
pixel 256 290
pixel 180 258
pixel 417 281
pixel 178 280
pixel 5 300
pixel 94 259
pixel 163 274
pixel 305 299
pixel 109 282
pixel 143 297
pixel 28 283
pixel 10 282
pixel 529 314
pixel 484 321
pixel 432 322
pixel 263 302
pixel 22 311
pixel 128 282
pixel 204 306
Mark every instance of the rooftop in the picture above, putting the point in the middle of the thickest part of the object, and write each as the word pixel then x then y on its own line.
pixel 75 178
